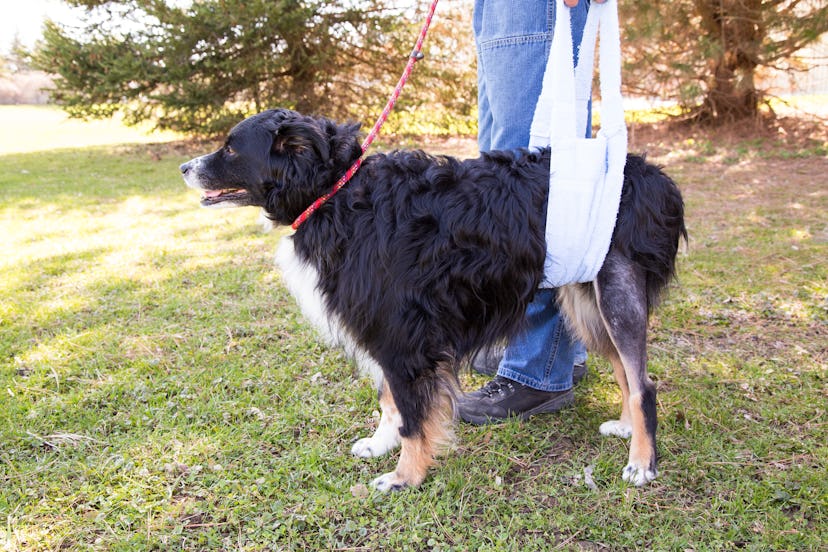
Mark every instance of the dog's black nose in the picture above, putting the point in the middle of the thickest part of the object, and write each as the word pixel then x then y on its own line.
pixel 185 167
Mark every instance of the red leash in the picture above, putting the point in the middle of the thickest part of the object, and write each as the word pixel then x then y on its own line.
pixel 416 55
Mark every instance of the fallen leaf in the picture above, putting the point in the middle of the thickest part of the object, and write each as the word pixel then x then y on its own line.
pixel 360 491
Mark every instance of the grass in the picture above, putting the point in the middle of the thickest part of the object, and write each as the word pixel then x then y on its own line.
pixel 159 389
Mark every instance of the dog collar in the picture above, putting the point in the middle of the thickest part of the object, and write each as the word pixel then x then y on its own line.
pixel 321 201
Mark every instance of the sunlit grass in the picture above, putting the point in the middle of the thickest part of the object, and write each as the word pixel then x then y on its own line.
pixel 160 390
pixel 808 103
pixel 43 128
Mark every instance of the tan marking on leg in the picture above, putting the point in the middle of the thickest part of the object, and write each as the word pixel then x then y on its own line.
pixel 386 399
pixel 622 427
pixel 640 469
pixel 621 379
pixel 416 457
pixel 640 446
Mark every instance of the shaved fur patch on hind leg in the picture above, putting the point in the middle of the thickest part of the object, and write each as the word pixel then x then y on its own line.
pixel 622 300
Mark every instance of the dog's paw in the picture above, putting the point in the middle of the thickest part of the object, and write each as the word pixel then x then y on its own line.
pixel 389 482
pixel 371 447
pixel 638 475
pixel 616 428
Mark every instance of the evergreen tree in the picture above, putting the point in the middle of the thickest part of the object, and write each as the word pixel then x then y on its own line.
pixel 201 67
pixel 707 54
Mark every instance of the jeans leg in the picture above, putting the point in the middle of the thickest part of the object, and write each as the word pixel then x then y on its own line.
pixel 541 356
pixel 484 111
pixel 580 353
pixel 513 40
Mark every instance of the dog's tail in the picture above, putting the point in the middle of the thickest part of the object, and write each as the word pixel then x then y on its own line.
pixel 650 224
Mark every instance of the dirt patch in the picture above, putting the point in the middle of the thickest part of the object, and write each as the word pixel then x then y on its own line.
pixel 784 136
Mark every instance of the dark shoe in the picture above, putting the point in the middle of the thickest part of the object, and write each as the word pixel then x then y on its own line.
pixel 503 398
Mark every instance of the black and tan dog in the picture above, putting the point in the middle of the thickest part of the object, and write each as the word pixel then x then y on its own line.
pixel 421 260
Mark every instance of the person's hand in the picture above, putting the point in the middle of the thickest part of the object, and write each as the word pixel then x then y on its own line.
pixel 573 3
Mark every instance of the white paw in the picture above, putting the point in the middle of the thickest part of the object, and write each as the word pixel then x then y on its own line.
pixel 385 439
pixel 388 482
pixel 637 475
pixel 371 447
pixel 616 428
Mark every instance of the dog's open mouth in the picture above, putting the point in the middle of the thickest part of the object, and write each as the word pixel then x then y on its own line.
pixel 214 197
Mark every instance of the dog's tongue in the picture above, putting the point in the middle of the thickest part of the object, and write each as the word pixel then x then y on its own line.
pixel 212 193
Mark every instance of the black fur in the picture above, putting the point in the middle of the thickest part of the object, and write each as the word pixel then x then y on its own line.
pixel 425 259
pixel 650 224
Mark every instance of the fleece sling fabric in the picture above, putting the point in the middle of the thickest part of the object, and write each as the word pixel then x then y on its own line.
pixel 586 174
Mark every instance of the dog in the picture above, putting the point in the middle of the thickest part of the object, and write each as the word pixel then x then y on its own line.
pixel 420 261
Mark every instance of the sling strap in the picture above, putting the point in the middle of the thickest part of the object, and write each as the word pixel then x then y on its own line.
pixel 586 174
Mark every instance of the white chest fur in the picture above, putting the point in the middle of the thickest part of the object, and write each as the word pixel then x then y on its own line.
pixel 302 280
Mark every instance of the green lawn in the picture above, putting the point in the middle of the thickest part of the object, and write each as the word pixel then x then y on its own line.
pixel 159 389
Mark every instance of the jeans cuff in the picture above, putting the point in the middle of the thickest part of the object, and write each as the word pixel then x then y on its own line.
pixel 535 384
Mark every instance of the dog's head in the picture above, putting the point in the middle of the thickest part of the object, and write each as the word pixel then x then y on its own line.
pixel 278 160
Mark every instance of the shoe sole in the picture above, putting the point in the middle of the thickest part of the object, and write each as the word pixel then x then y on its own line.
pixel 559 402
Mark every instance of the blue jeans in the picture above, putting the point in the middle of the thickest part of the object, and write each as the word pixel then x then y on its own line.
pixel 513 38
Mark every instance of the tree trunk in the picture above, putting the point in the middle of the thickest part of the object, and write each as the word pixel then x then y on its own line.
pixel 735 29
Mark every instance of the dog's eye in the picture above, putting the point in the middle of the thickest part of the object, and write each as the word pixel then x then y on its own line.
pixel 228 149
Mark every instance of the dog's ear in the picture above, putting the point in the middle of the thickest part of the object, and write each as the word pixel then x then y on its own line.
pixel 297 135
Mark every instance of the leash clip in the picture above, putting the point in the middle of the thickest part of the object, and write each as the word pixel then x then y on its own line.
pixel 417 55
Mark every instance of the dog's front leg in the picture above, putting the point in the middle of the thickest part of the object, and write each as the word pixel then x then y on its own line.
pixel 387 436
pixel 426 415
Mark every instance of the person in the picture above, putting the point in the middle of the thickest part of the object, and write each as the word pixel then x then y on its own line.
pixel 540 365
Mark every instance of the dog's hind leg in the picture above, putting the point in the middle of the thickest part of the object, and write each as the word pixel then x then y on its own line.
pixel 426 407
pixel 387 436
pixel 622 300
pixel 580 305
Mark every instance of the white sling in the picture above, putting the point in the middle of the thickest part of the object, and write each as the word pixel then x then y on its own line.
pixel 586 174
